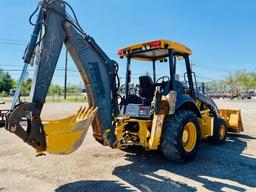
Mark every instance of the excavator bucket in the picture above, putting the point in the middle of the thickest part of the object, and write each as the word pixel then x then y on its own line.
pixel 233 119
pixel 66 135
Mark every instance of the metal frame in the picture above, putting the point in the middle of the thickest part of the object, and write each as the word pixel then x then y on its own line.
pixel 3 114
pixel 154 71
pixel 172 70
pixel 190 78
pixel 97 70
pixel 128 68
pixel 165 44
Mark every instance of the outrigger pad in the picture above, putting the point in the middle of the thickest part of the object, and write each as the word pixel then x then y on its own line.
pixel 65 136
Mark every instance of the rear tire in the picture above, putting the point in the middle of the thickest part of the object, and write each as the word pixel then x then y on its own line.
pixel 219 132
pixel 175 143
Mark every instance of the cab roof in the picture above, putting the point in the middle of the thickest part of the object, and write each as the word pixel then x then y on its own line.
pixel 153 50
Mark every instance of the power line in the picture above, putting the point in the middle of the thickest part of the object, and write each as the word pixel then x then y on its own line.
pixel 12 40
pixel 199 76
pixel 211 68
pixel 10 65
pixel 57 69
pixel 11 43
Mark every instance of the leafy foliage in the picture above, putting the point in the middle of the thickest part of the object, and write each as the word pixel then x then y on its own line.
pixel 26 86
pixel 239 80
pixel 54 89
pixel 6 81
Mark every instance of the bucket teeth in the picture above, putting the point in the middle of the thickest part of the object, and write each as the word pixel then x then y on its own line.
pixel 81 112
pixel 85 113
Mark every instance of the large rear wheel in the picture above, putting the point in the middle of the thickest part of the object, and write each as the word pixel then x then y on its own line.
pixel 181 136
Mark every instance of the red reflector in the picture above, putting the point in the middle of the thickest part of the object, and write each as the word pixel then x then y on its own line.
pixel 155 44
pixel 120 52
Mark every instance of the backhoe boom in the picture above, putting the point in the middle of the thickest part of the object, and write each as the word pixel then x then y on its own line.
pixel 98 72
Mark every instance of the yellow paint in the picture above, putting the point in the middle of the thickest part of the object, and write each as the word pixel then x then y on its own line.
pixel 206 126
pixel 66 135
pixel 222 131
pixel 65 143
pixel 189 137
pixel 233 119
pixel 143 133
pixel 164 43
pixel 156 132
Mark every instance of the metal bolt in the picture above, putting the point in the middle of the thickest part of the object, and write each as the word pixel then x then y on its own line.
pixel 67 24
pixel 13 128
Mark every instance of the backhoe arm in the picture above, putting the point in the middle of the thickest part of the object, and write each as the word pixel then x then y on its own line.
pixel 99 74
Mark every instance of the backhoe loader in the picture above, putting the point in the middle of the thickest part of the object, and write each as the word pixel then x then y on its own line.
pixel 165 114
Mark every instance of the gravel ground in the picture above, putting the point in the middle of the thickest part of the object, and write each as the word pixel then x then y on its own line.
pixel 229 167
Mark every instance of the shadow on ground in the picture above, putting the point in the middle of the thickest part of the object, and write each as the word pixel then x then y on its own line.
pixel 2 124
pixel 215 168
pixel 94 186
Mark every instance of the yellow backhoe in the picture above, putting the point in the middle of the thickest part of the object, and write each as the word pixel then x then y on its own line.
pixel 164 113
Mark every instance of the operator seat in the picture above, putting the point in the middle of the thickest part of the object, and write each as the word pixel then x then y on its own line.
pixel 147 89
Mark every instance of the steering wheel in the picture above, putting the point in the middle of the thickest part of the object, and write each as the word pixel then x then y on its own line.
pixel 163 79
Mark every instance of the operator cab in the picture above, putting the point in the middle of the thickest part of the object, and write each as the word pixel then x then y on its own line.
pixel 138 104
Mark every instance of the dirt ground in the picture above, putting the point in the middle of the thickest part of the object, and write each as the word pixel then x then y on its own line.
pixel 229 167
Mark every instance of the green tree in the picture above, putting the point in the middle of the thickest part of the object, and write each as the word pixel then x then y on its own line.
pixel 73 88
pixel 6 81
pixel 26 86
pixel 215 86
pixel 253 79
pixel 237 81
pixel 245 80
pixel 230 81
pixel 54 90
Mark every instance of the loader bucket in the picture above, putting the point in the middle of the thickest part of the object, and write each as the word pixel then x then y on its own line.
pixel 233 119
pixel 66 135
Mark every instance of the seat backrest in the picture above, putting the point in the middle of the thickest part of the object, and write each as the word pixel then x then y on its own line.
pixel 146 87
pixel 178 87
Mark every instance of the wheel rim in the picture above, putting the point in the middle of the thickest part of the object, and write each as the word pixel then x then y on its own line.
pixel 222 131
pixel 189 137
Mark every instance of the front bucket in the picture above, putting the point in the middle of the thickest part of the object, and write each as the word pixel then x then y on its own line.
pixel 65 136
pixel 233 119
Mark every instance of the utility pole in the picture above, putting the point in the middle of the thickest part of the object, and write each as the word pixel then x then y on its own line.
pixel 65 76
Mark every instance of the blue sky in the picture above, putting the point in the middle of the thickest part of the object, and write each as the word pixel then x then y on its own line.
pixel 221 33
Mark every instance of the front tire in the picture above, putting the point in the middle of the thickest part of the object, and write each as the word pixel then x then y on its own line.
pixel 181 136
pixel 219 132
